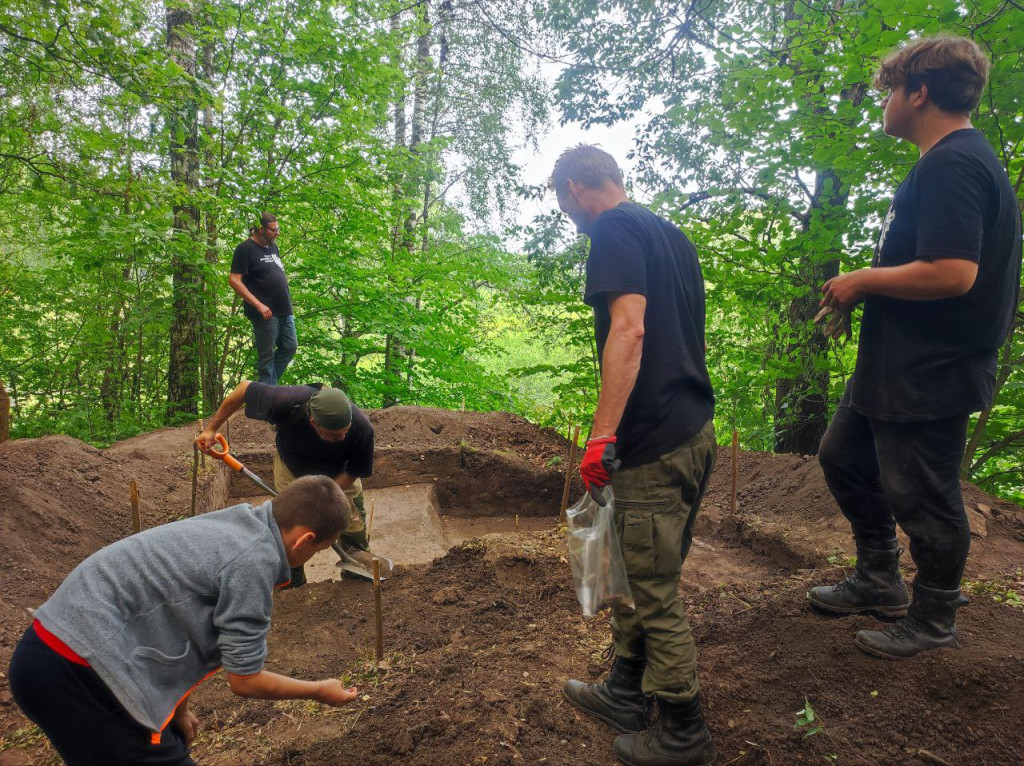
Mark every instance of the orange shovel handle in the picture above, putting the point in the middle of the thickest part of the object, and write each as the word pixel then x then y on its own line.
pixel 224 453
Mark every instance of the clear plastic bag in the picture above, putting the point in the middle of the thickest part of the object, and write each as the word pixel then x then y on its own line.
pixel 598 570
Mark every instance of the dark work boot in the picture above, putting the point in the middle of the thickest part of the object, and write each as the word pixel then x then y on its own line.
pixel 618 700
pixel 931 624
pixel 679 738
pixel 875 586
pixel 298 578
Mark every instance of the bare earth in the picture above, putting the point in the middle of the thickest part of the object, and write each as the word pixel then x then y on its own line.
pixel 478 642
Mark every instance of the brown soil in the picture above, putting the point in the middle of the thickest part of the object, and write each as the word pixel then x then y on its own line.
pixel 478 643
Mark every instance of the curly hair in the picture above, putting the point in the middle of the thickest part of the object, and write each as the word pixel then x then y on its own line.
pixel 953 68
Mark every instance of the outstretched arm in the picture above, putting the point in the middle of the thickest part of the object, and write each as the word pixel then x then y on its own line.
pixel 231 404
pixel 273 686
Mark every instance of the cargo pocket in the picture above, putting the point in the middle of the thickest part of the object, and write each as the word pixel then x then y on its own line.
pixel 669 525
pixel 652 536
pixel 638 542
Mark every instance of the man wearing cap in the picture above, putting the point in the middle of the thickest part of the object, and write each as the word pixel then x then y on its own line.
pixel 319 431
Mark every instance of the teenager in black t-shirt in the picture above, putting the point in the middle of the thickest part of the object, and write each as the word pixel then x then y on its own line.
pixel 258 277
pixel 654 414
pixel 319 431
pixel 938 301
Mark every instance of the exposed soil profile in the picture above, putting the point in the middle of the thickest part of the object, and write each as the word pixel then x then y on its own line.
pixel 478 642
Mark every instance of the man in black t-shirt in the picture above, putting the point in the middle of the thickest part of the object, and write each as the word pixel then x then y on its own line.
pixel 259 279
pixel 653 440
pixel 938 301
pixel 319 431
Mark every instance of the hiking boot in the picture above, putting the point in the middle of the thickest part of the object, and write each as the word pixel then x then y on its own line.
pixel 876 585
pixel 680 737
pixel 618 700
pixel 298 578
pixel 931 624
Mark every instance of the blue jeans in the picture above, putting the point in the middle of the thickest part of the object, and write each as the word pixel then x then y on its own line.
pixel 276 344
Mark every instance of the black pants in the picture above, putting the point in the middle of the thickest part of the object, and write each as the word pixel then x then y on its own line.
pixel 884 473
pixel 80 715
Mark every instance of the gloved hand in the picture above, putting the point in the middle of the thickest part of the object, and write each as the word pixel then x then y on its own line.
pixel 838 324
pixel 598 465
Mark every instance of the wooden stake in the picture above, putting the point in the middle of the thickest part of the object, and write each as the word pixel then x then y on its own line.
pixel 568 474
pixel 377 612
pixel 201 458
pixel 5 414
pixel 735 467
pixel 369 521
pixel 133 488
pixel 195 477
pixel 517 522
pixel 462 437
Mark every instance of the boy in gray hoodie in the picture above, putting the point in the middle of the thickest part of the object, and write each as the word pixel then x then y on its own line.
pixel 107 666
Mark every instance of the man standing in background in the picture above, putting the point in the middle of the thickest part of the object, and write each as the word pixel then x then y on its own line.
pixel 938 301
pixel 654 418
pixel 259 279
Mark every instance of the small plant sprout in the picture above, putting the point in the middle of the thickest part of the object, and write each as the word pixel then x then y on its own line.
pixel 807 720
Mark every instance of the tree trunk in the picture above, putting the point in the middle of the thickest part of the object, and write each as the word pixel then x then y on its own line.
pixel 210 357
pixel 801 401
pixel 183 385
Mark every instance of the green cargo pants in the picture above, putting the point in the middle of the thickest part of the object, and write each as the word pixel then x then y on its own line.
pixel 655 508
pixel 355 535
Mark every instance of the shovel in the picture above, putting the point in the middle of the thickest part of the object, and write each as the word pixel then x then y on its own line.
pixel 347 563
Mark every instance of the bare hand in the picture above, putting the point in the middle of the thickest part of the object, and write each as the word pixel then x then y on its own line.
pixel 843 292
pixel 265 311
pixel 838 324
pixel 205 440
pixel 333 692
pixel 187 723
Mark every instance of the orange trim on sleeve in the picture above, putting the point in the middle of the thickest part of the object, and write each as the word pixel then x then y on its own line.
pixel 56 644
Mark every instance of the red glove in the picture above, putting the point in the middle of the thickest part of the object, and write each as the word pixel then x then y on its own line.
pixel 598 463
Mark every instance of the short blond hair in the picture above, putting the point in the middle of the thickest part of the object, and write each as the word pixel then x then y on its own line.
pixel 955 70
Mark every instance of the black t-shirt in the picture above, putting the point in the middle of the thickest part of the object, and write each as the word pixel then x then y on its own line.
pixel 300 447
pixel 264 275
pixel 634 251
pixel 926 360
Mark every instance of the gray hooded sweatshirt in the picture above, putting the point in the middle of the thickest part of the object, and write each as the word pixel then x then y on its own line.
pixel 156 613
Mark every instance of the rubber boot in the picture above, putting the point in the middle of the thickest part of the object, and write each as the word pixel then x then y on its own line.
pixel 876 585
pixel 618 700
pixel 298 578
pixel 679 738
pixel 931 624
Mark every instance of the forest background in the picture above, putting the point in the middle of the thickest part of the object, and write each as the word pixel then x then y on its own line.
pixel 139 141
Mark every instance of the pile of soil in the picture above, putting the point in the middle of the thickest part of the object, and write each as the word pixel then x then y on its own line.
pixel 478 643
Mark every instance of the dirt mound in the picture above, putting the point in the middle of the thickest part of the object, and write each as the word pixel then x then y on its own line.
pixel 478 643
pixel 483 463
pixel 786 513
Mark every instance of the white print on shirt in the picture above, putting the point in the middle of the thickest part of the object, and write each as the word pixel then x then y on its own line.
pixel 272 258
pixel 889 218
